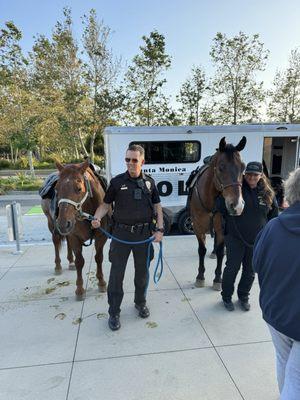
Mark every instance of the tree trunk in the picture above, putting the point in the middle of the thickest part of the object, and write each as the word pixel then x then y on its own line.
pixel 82 144
pixel 32 173
pixel 92 156
pixel 12 153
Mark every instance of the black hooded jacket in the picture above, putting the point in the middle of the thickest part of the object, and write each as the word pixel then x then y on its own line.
pixel 277 263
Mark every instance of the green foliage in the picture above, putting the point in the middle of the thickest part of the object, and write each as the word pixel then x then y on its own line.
pixel 191 93
pixel 19 182
pixel 236 91
pixel 284 105
pixel 144 82
pixel 4 164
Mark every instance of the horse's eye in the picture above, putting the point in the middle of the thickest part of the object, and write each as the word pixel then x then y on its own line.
pixel 221 167
pixel 79 189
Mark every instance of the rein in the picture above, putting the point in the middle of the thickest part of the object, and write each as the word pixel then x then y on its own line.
pixel 156 274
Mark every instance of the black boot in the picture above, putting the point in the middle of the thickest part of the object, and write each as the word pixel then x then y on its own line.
pixel 245 305
pixel 228 304
pixel 143 310
pixel 114 322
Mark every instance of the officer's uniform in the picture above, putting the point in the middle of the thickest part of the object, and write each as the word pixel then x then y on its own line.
pixel 132 221
pixel 240 233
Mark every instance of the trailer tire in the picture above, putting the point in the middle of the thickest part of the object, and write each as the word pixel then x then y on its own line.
pixel 167 223
pixel 185 223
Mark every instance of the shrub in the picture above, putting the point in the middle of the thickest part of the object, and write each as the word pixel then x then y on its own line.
pixel 4 163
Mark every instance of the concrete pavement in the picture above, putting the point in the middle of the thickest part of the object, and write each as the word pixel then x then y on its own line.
pixel 190 348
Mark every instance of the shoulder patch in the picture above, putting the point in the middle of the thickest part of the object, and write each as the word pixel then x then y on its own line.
pixel 148 185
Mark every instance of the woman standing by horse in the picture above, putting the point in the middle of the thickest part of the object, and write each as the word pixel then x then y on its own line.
pixel 222 175
pixel 240 233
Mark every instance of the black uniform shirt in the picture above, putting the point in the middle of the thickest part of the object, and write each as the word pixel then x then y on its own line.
pixel 132 204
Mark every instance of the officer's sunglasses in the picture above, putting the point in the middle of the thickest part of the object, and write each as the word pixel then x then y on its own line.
pixel 134 160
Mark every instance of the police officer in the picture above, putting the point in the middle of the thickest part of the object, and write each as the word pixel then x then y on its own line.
pixel 136 202
pixel 240 233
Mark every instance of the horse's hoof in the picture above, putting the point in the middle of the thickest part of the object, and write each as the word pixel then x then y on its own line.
pixel 200 283
pixel 72 267
pixel 80 295
pixel 58 271
pixel 217 286
pixel 102 288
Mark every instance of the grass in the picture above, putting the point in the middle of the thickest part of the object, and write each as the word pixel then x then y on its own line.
pixel 36 210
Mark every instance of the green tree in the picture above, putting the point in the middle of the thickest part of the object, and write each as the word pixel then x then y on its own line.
pixel 144 82
pixel 234 86
pixel 101 70
pixel 284 105
pixel 190 96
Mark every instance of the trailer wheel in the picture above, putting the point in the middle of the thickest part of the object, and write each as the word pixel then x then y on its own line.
pixel 185 225
pixel 167 223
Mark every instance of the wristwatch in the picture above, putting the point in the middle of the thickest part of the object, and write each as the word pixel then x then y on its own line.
pixel 160 230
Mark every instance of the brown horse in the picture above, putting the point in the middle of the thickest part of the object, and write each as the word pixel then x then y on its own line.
pixel 78 190
pixel 224 177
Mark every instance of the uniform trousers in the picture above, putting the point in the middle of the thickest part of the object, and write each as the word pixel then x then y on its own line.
pixel 237 254
pixel 118 256
pixel 288 365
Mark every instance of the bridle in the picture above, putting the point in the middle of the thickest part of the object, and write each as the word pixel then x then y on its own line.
pixel 220 185
pixel 78 206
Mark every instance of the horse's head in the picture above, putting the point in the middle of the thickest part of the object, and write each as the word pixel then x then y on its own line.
pixel 71 192
pixel 228 174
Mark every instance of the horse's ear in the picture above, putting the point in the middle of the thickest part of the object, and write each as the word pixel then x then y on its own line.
pixel 59 166
pixel 84 166
pixel 242 144
pixel 222 144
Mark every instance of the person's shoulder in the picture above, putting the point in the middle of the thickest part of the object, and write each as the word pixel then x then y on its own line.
pixel 148 178
pixel 118 178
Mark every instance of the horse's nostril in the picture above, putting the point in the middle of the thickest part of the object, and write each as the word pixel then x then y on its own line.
pixel 69 223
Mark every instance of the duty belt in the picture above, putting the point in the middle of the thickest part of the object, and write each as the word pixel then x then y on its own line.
pixel 133 228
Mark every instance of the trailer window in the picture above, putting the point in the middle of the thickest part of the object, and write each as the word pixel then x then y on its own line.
pixel 171 152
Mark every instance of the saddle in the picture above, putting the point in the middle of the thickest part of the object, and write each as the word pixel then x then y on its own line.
pixel 193 178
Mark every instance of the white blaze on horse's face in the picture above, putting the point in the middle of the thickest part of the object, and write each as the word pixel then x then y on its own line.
pixel 235 208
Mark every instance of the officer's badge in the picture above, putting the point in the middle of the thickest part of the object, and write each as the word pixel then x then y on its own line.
pixel 124 187
pixel 148 185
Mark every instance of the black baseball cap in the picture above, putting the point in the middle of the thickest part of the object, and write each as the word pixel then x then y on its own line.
pixel 254 167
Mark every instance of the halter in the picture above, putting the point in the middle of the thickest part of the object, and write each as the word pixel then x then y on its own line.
pixel 88 193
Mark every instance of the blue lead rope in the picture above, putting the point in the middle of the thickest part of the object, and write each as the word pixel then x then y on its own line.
pixel 156 275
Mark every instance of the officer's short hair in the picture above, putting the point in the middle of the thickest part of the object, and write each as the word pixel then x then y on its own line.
pixel 292 187
pixel 136 147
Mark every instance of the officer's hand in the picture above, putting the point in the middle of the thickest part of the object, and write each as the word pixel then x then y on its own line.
pixel 158 237
pixel 96 223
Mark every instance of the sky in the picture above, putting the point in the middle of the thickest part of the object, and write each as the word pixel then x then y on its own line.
pixel 189 27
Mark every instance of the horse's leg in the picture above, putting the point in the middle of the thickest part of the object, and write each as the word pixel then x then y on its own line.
pixel 219 252
pixel 200 280
pixel 99 244
pixel 70 256
pixel 56 239
pixel 79 263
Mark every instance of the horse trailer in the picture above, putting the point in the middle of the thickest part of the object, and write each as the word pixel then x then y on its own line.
pixel 173 152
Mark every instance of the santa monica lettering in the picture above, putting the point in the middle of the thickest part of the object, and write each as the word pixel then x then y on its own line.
pixel 164 169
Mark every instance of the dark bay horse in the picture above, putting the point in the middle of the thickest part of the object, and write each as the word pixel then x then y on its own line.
pixel 78 190
pixel 224 177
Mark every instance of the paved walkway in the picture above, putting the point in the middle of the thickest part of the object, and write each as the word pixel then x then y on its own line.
pixel 190 348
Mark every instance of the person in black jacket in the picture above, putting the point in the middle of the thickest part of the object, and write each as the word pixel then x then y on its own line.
pixel 277 263
pixel 240 233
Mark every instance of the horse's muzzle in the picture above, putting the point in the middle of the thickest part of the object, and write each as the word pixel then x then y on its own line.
pixel 235 209
pixel 65 228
